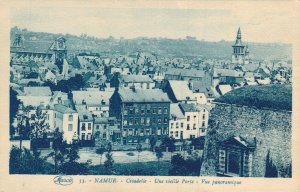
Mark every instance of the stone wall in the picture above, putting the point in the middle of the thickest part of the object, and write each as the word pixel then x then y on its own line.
pixel 271 128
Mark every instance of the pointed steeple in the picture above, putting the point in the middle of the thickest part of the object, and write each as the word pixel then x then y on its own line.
pixel 239 35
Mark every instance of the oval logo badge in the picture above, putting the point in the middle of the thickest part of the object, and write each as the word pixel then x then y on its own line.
pixel 63 180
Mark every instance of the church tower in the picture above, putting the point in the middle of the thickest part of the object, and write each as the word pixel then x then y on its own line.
pixel 60 55
pixel 240 53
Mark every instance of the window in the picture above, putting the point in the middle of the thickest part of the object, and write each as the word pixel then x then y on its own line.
pixel 159 120
pixel 188 127
pixel 166 110
pixel 136 110
pixel 89 126
pixel 148 85
pixel 142 121
pixel 105 126
pixel 136 121
pixel 172 125
pixel 70 117
pixel 194 126
pixel 142 111
pixel 148 121
pixel 70 127
pixel 83 136
pixel 165 120
pixel 130 121
pixel 203 116
pixel 177 125
pixel 125 122
pixel 153 110
pixel 83 127
pixel 188 118
pixel 194 117
pixel 181 125
pixel 203 124
pixel 125 112
pixel 104 136
pixel 97 126
pixel 176 134
pixel 159 110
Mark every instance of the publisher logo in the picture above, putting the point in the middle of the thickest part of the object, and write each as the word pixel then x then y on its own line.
pixel 63 180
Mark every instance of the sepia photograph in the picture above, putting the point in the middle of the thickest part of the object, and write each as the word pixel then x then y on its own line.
pixel 147 105
pixel 155 90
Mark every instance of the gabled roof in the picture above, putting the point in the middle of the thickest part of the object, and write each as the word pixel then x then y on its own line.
pixel 239 141
pixel 92 98
pixel 181 90
pixel 37 91
pixel 188 107
pixel 136 79
pixel 63 109
pixel 175 111
pixel 143 95
pixel 227 73
pixel 185 72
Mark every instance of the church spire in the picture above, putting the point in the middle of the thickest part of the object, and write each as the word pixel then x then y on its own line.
pixel 239 35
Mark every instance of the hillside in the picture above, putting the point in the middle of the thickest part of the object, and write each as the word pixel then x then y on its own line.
pixel 160 46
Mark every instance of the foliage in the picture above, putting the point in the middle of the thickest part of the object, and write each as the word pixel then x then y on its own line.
pixel 27 163
pixel 189 167
pixel 74 168
pixel 271 169
pixel 32 75
pixel 60 150
pixel 100 151
pixel 168 142
pixel 198 142
pixel 261 96
pixel 14 103
pixel 153 140
pixel 109 162
pixel 158 153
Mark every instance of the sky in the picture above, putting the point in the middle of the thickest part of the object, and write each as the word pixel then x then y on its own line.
pixel 210 23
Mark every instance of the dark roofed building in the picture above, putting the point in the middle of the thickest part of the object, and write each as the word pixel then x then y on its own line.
pixel 141 113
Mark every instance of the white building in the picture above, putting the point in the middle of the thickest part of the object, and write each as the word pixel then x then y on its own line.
pixel 66 120
pixel 177 122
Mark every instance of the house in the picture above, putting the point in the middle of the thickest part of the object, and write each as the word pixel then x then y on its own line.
pixel 85 123
pixel 66 120
pixel 107 129
pixel 177 123
pixel 35 96
pixel 227 76
pixel 97 102
pixel 203 92
pixel 141 112
pixel 187 74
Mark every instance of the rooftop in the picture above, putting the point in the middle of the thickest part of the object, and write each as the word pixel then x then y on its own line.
pixel 143 95
pixel 181 90
pixel 63 109
pixel 136 78
pixel 37 91
pixel 188 107
pixel 261 96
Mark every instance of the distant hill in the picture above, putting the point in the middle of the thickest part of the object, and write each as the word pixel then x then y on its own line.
pixel 160 46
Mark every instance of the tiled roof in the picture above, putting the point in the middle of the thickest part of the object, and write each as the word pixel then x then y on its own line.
pixel 92 98
pixel 227 73
pixel 175 111
pixel 143 95
pixel 188 107
pixel 37 91
pixel 35 47
pixel 136 78
pixel 181 90
pixel 185 72
pixel 63 109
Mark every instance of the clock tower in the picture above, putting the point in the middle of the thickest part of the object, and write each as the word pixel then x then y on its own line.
pixel 60 55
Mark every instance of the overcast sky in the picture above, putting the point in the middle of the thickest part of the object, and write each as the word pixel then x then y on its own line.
pixel 258 24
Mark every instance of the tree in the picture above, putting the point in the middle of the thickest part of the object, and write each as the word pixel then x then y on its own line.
pixel 178 166
pixel 109 159
pixel 28 163
pixel 153 140
pixel 14 104
pixel 139 150
pixel 169 143
pixel 60 151
pixel 159 154
pixel 271 169
pixel 39 128
pixel 100 151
